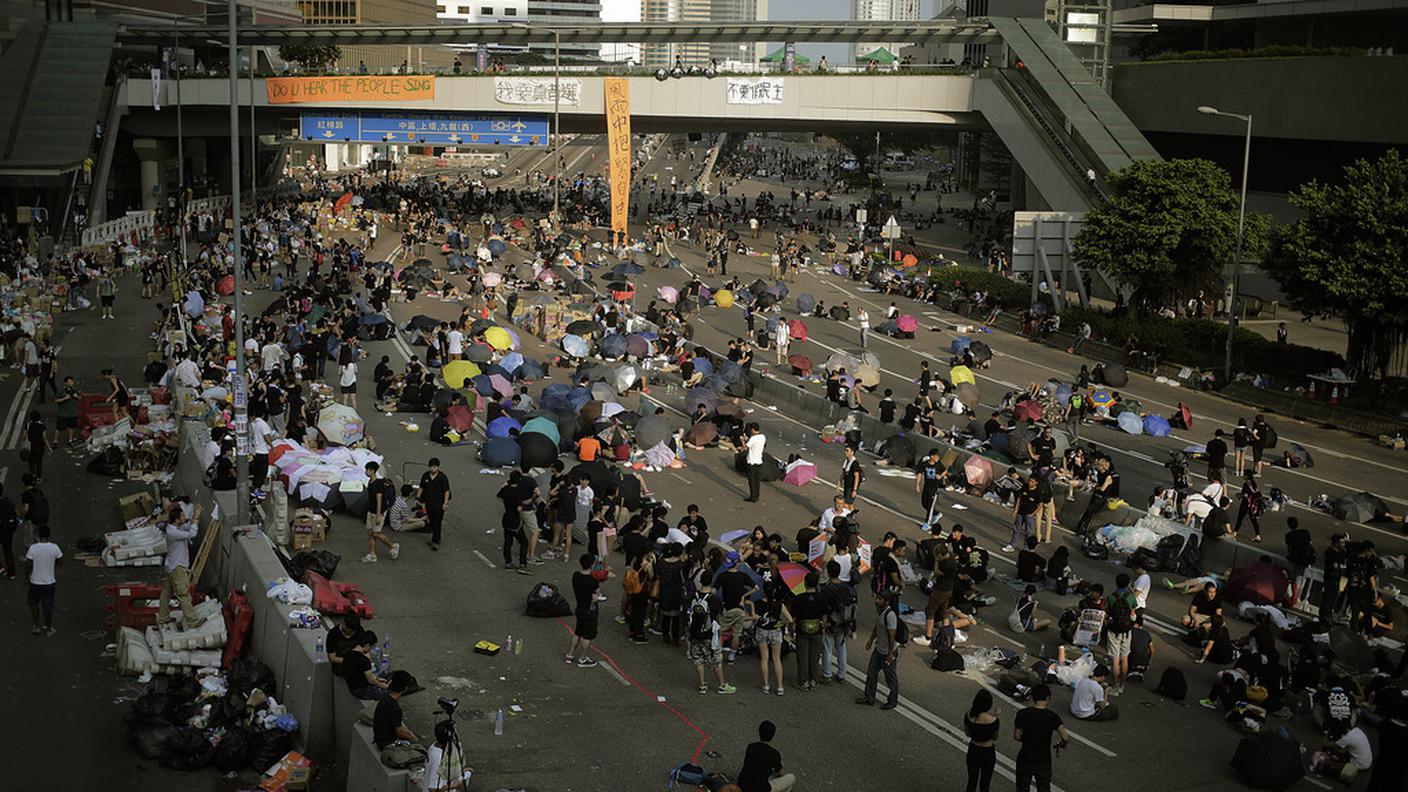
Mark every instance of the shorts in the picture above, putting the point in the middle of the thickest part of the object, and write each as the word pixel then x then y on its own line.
pixel 31 369
pixel 587 626
pixel 349 388
pixel 770 636
pixel 732 619
pixel 373 524
pixel 704 655
pixel 1117 644
pixel 67 422
pixel 938 604
pixel 105 300
pixel 41 595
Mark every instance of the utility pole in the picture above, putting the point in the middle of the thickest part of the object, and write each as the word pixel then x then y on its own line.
pixel 239 386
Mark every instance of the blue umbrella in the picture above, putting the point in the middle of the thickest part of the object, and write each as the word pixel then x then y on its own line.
pixel 998 441
pixel 1131 423
pixel 371 319
pixel 575 346
pixel 960 345
pixel 613 346
pixel 703 366
pixel 482 385
pixel 1156 425
pixel 500 452
pixel 497 247
pixel 805 303
pixel 673 263
pixel 578 398
pixel 532 369
pixel 511 362
pixel 502 426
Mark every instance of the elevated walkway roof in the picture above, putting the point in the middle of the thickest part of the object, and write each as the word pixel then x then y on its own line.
pixel 51 86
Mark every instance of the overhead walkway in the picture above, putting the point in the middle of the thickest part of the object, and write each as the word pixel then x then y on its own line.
pixel 51 89
pixel 1057 121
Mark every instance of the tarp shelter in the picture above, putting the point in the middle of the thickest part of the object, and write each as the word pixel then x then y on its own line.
pixel 880 55
pixel 780 56
pixel 1269 760
pixel 341 425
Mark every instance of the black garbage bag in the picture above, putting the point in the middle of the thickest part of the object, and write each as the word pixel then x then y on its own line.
pixel 269 746
pixel 232 754
pixel 546 600
pixel 111 462
pixel 188 750
pixel 154 371
pixel 323 562
pixel 228 710
pixel 150 735
pixel 247 674
pixel 151 704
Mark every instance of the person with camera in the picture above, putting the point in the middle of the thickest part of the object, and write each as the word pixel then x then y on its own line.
pixel 1033 728
pixel 445 769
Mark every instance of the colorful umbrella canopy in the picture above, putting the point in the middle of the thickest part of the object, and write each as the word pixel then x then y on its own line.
pixel 801 364
pixel 543 426
pixel 341 425
pixel 794 576
pixel 491 279
pixel 501 385
pixel 1102 398
pixel 978 471
pixel 959 375
pixel 1131 423
pixel 498 338
pixel 669 294
pixel 502 426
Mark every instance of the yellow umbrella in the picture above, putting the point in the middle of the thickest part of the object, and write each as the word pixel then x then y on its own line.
pixel 723 298
pixel 961 374
pixel 498 338
pixel 457 371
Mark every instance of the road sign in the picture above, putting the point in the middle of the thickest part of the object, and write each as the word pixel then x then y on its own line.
pixel 891 229
pixel 862 215
pixel 429 129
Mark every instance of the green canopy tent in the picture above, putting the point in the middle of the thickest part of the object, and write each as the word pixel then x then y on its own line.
pixel 780 56
pixel 881 55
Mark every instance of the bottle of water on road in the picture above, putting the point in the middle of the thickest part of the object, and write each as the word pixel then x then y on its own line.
pixel 508 645
pixel 499 722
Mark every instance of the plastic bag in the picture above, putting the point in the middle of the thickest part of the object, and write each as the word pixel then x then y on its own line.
pixel 247 674
pixel 269 746
pixel 150 736
pixel 232 754
pixel 289 591
pixel 1073 672
pixel 188 750
pixel 324 562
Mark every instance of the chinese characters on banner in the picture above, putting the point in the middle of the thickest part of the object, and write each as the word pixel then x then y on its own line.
pixel 618 144
pixel 764 91
pixel 297 90
pixel 536 91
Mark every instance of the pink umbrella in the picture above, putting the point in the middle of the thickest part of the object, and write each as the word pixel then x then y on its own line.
pixel 978 471
pixel 669 294
pixel 797 330
pixel 500 385
pixel 799 473
pixel 907 324
pixel 1028 410
pixel 492 278
pixel 546 276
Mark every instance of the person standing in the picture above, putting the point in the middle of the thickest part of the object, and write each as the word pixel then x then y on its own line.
pixel 584 587
pixel 1216 453
pixel 435 496
pixel 1333 568
pixel 41 562
pixel 928 479
pixel 884 653
pixel 515 499
pixel 981 724
pixel 762 765
pixel 347 355
pixel 1024 508
pixel 755 444
pixel 1251 505
pixel 782 339
pixel 381 494
pixel 851 477
pixel 863 321
pixel 66 410
pixel 809 611
pixel 1121 614
pixel 177 580
pixel 1033 728
pixel 107 292
pixel 37 443
pixel 840 598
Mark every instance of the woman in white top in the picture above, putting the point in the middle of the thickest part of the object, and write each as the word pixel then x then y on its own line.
pixel 444 762
pixel 347 379
pixel 1200 503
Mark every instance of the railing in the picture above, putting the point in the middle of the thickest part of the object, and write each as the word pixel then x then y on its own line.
pixel 142 224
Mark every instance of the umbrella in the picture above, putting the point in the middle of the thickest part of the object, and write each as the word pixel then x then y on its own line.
pixel 491 279
pixel 537 450
pixel 1186 415
pixel 1269 760
pixel 372 319
pixel 960 345
pixel 700 395
pixel 1027 410
pixel 544 426
pixel 1018 440
pixel 978 471
pixel 627 268
pixel 498 338
pixel 604 478
pixel 981 352
pixel 841 360
pixel 500 384
pixel 637 345
pixel 603 391
pixel 653 429
pixel 502 426
pixel 194 304
pixel 501 452
pixel 899 449
pixel 225 286
pixel 532 369
pixel 1156 425
pixel 1101 398
pixel 702 433
pixel 478 353
pixel 624 378
pixel 483 385
pixel 497 247
pixel 839 312
pixel 797 330
pixel 723 298
pixel 1128 405
pixel 479 326
pixel 1359 507
pixel 794 576
pixel 584 327
pixel 1115 375
pixel 575 346
pixel 512 362
pixel 888 327
pixel 806 303
pixel 967 393
pixel 867 375
pixel 1298 452
pixel 799 473
pixel 591 411
pixel 801 364
pixel 778 290
pixel 959 375
pixel 1131 423
pixel 704 366
pixel 340 424
pixel 669 294
pixel 906 324
pixel 659 455
pixel 613 346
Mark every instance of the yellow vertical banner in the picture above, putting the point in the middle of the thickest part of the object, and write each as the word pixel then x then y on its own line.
pixel 618 143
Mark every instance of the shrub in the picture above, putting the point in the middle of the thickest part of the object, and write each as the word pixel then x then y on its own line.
pixel 1015 295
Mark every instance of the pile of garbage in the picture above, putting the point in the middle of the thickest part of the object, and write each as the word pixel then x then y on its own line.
pixel 227 721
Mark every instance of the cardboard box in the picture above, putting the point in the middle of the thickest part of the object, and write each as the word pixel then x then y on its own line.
pixel 134 506
pixel 309 522
pixel 302 541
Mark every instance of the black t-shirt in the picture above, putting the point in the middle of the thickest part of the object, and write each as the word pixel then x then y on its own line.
pixel 1029 565
pixel 887 410
pixel 1205 605
pixel 1028 501
pixel 1217 452
pixel 385 721
pixel 635 544
pixel 34 432
pixel 932 474
pixel 695 528
pixel 336 642
pixel 355 666
pixel 732 585
pixel 992 426
pixel 1113 490
pixel 808 605
pixel 432 490
pixel 1045 448
pixel 1037 726
pixel 584 588
pixel 760 761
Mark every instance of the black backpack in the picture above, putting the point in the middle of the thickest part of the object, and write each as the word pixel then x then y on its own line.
pixel 1121 613
pixel 946 659
pixel 841 600
pixel 1172 685
pixel 701 623
pixel 901 629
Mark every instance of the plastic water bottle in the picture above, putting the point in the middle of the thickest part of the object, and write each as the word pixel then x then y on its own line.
pixel 499 722
pixel 518 647
pixel 508 645
pixel 804 440
pixel 318 654
pixel 385 668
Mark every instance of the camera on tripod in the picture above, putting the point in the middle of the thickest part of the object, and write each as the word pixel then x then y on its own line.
pixel 448 706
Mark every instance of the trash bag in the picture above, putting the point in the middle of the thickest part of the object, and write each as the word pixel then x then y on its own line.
pixel 546 600
pixel 228 710
pixel 151 704
pixel 232 754
pixel 188 750
pixel 269 746
pixel 150 736
pixel 111 462
pixel 324 562
pixel 247 674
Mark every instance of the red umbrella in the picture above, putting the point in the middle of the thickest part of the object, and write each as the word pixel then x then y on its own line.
pixel 794 576
pixel 797 329
pixel 342 203
pixel 907 324
pixel 1028 410
pixel 1186 414
pixel 801 364
pixel 225 285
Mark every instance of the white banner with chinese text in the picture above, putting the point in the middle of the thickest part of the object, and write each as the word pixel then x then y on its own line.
pixel 761 91
pixel 536 91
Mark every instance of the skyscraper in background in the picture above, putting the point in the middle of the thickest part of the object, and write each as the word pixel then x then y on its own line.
pixel 620 11
pixel 565 13
pixel 884 11
pixel 701 12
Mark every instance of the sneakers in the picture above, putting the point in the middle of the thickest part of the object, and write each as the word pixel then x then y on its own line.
pixel 725 689
pixel 1008 548
pixel 1117 690
pixel 920 640
pixel 865 702
pixel 620 619
pixel 889 705
pixel 586 662
pixel 1168 584
pixel 435 546
pixel 569 659
pixel 536 561
pixel 779 690
pixel 639 639
pixel 703 689
pixel 50 631
pixel 36 630
pixel 766 690
pixel 523 570
pixel 1207 703
pixel 369 558
pixel 395 551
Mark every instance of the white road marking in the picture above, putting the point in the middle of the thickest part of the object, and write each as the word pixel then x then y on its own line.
pixel 485 559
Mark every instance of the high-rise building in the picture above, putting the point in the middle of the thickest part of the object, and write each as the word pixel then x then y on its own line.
pixel 565 13
pixel 473 12
pixel 378 57
pixel 620 11
pixel 702 12
pixel 884 11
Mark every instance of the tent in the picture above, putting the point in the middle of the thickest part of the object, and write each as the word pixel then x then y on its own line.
pixel 341 425
pixel 899 449
pixel 1269 760
pixel 880 55
pixel 978 471
pixel 1358 507
pixel 500 452
pixel 537 450
pixel 780 56
pixel 1258 583
pixel 1156 425
pixel 1115 375
pixel 1131 423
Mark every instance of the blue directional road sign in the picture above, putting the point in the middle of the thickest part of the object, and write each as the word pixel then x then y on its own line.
pixel 428 129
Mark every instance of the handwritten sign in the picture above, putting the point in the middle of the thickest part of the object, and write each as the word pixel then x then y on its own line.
pixel 618 144
pixel 754 92
pixel 537 91
pixel 365 88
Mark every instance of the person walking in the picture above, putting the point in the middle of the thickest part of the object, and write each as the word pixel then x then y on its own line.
pixel 1250 505
pixel 884 652
pixel 381 494
pixel 756 443
pixel 515 499
pixel 37 444
pixel 435 496
pixel 1024 508
pixel 782 340
pixel 1034 727
pixel 107 292
pixel 981 724
pixel 42 561
pixel 809 610
pixel 177 580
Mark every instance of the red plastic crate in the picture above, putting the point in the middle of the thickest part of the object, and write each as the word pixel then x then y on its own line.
pixel 127 606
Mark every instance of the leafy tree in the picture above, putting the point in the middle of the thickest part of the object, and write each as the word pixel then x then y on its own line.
pixel 1168 230
pixel 1347 257
pixel 312 57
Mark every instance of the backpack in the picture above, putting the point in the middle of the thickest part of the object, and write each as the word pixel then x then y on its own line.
pixel 946 659
pixel 701 623
pixel 1172 685
pixel 686 774
pixel 1121 613
pixel 842 599
pixel 901 629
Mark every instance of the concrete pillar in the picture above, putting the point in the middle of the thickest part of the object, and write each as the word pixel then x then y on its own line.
pixel 153 155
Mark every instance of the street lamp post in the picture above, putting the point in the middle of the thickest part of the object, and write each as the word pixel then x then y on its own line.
pixel 1241 232
pixel 238 387
pixel 180 149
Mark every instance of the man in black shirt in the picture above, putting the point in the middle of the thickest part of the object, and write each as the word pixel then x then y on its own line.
pixel 584 589
pixel 381 494
pixel 1024 508
pixel 1030 565
pixel 515 499
pixel 694 524
pixel 357 670
pixel 339 640
pixel 1033 728
pixel 887 407
pixel 762 765
pixel 1217 455
pixel 387 723
pixel 928 479
pixel 1334 567
pixel 993 425
pixel 435 494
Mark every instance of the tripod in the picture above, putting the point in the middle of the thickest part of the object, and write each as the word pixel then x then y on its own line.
pixel 446 773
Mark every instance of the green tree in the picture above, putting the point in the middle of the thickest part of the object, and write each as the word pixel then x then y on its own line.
pixel 312 57
pixel 1168 229
pixel 1347 257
